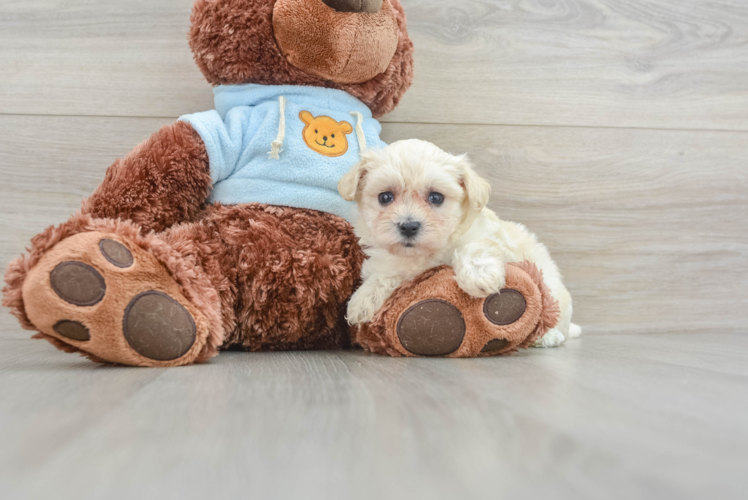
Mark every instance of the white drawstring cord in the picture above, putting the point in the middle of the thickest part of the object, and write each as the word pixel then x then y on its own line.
pixel 278 142
pixel 360 130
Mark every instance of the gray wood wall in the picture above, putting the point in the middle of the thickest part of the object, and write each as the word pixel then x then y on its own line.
pixel 615 129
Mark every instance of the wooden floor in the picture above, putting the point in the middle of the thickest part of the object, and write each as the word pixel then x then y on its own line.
pixel 661 416
pixel 616 130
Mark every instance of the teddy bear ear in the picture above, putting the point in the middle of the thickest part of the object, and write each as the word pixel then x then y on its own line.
pixel 306 117
pixel 346 128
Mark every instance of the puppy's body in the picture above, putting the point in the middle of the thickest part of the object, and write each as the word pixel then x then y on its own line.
pixel 419 208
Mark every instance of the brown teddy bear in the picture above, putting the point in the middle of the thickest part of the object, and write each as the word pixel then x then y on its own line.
pixel 225 229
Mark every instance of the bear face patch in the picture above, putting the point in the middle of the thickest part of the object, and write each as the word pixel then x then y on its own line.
pixel 325 135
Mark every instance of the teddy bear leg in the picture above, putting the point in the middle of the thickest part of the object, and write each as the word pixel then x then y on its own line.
pixel 432 316
pixel 98 287
pixel 293 270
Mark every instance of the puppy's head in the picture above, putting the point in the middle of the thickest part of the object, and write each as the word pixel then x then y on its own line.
pixel 413 197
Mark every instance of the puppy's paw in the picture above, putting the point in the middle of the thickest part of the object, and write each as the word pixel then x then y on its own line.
pixel 362 308
pixel 553 338
pixel 479 275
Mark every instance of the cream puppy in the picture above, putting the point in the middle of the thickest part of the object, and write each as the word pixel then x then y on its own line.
pixel 420 207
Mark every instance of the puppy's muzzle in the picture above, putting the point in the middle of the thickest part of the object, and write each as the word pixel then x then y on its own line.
pixel 410 229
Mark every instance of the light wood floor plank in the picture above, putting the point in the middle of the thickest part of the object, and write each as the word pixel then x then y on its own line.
pixel 639 63
pixel 581 421
pixel 648 227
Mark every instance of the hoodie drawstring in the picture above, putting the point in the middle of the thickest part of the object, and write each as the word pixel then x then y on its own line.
pixel 360 130
pixel 277 146
pixel 278 142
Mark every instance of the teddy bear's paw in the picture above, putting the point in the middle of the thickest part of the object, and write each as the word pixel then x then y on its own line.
pixel 433 316
pixel 112 300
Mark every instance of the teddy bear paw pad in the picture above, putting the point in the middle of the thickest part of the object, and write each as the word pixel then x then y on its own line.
pixel 78 283
pixel 158 327
pixel 505 308
pixel 431 328
pixel 495 345
pixel 74 330
pixel 116 253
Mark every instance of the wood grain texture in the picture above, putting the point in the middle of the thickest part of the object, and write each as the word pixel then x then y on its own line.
pixel 648 227
pixel 634 63
pixel 93 57
pixel 638 63
pixel 605 417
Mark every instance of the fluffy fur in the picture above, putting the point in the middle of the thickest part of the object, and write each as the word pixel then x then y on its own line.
pixel 233 42
pixel 163 181
pixel 284 274
pixel 460 231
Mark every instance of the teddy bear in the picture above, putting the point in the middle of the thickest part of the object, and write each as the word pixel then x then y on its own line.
pixel 225 230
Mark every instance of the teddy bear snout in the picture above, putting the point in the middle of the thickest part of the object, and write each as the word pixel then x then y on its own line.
pixel 343 41
pixel 363 6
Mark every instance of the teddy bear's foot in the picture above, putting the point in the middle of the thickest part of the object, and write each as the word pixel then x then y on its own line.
pixel 432 316
pixel 108 296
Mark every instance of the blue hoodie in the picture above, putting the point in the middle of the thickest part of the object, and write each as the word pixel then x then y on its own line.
pixel 284 145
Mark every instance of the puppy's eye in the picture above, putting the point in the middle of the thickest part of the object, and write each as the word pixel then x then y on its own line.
pixel 436 198
pixel 316 131
pixel 386 198
pixel 333 136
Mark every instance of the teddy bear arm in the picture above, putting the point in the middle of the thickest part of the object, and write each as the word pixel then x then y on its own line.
pixel 162 182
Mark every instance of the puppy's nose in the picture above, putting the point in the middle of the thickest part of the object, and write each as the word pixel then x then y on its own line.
pixel 367 6
pixel 410 229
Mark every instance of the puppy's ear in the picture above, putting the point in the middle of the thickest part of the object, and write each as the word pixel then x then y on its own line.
pixel 477 189
pixel 349 185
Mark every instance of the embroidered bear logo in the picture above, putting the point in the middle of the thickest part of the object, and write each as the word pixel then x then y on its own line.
pixel 325 135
